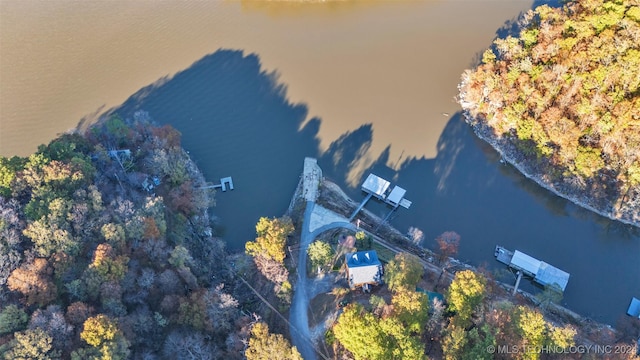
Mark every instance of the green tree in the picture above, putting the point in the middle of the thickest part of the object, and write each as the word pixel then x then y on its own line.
pixel 363 241
pixel 465 294
pixel 180 257
pixel 479 340
pixel 405 270
pixel 454 342
pixel 192 312
pixel 532 329
pixel 8 168
pixel 266 346
pixel 271 239
pixel 551 294
pixel 360 333
pixel 12 319
pixel 32 344
pixel 411 308
pixel 402 344
pixel 320 253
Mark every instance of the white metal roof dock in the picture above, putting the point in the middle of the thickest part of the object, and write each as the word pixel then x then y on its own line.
pixel 396 195
pixel 376 186
pixel 541 272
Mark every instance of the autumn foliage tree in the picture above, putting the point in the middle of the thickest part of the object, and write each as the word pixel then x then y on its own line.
pixel 562 99
pixel 271 238
pixel 404 271
pixel 264 345
pixel 32 344
pixel 102 333
pixel 465 295
pixel 448 243
pixel 93 265
pixel 34 282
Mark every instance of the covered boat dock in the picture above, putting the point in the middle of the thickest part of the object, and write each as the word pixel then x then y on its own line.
pixel 541 272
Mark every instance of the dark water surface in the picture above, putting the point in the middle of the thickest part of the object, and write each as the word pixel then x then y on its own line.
pixel 236 120
pixel 365 87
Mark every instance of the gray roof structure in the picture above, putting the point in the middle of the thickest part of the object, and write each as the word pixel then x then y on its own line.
pixel 396 195
pixel 548 275
pixel 525 262
pixel 376 186
pixel 541 272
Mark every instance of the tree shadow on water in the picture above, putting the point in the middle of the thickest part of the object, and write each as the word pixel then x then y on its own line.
pixel 236 121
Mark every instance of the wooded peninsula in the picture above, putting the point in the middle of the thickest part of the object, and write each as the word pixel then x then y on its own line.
pixel 107 252
pixel 560 100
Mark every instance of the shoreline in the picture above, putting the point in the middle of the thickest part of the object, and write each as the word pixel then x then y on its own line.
pixel 580 197
pixel 480 129
pixel 331 193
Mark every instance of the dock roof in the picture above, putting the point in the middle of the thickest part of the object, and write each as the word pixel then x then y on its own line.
pixel 634 308
pixel 525 262
pixel 375 185
pixel 542 273
pixel 549 275
pixel 396 195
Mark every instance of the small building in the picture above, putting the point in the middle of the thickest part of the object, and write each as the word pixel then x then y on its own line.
pixel 364 269
pixel 634 308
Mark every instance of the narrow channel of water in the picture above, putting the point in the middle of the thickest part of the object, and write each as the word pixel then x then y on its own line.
pixel 364 87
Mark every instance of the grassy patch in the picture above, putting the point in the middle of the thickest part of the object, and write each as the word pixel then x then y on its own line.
pixel 384 254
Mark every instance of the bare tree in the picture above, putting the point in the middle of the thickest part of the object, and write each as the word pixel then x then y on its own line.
pixel 183 345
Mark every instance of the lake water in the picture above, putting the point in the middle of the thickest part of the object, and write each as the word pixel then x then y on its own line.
pixel 363 86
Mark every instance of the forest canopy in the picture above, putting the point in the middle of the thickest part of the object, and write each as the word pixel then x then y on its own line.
pixel 107 251
pixel 561 100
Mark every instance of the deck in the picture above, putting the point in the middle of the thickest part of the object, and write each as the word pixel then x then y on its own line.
pixel 503 255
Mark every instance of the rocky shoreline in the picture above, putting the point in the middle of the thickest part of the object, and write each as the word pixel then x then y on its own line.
pixel 630 215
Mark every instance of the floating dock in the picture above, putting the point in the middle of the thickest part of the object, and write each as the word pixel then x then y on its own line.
pixel 226 182
pixel 541 272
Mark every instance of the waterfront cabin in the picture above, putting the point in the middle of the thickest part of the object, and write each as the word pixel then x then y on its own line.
pixel 364 269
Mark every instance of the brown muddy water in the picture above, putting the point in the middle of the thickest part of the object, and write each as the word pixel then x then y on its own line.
pixel 256 86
